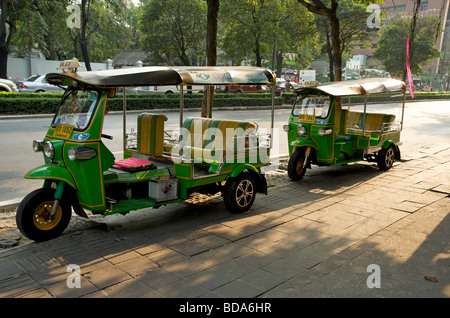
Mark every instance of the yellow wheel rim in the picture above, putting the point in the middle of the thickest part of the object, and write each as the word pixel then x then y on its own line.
pixel 41 216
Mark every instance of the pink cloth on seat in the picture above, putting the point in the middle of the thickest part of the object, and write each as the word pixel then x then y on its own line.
pixel 132 163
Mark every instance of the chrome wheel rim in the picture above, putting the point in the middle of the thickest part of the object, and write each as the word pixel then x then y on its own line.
pixel 244 193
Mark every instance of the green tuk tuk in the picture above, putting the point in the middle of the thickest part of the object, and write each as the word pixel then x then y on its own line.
pixel 158 167
pixel 321 132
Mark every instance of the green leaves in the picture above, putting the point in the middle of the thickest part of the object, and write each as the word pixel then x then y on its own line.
pixel 174 29
pixel 391 49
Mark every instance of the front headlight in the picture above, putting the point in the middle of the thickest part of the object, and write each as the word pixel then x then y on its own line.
pixel 286 128
pixel 81 153
pixel 38 145
pixel 301 130
pixel 324 131
pixel 49 150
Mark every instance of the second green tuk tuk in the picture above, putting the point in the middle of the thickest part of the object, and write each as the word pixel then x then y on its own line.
pixel 325 130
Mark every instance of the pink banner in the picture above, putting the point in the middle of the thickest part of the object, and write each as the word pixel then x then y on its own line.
pixel 408 69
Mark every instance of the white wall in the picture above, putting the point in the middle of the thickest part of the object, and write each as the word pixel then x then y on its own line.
pixel 20 69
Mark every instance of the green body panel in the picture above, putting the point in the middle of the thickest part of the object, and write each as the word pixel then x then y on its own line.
pixel 51 172
pixel 340 146
pixel 236 171
pixel 389 139
pixel 88 174
pixel 324 145
pixel 85 176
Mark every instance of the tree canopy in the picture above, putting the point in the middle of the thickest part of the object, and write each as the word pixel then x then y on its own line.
pixel 261 31
pixel 174 29
pixel 391 49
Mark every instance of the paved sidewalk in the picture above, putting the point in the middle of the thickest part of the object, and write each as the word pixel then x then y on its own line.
pixel 337 233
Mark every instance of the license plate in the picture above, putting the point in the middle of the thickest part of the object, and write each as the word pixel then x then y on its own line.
pixel 63 131
pixel 307 118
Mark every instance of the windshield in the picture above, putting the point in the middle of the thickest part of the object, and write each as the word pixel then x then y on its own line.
pixel 76 109
pixel 311 106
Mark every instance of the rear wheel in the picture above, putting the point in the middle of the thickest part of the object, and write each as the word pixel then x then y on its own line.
pixel 34 219
pixel 239 193
pixel 386 158
pixel 296 165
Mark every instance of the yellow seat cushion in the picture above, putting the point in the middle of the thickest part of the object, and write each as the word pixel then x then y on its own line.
pixel 150 134
pixel 212 139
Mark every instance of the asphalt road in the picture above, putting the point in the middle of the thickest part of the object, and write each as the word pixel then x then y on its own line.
pixel 424 122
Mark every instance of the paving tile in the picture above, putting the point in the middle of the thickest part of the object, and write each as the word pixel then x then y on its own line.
pixel 237 289
pixel 262 280
pixel 18 286
pixel 234 268
pixel 131 289
pixel 210 279
pixel 137 266
pixel 186 267
pixel 165 256
pixel 107 276
pixel 182 288
pixel 158 277
pixel 61 289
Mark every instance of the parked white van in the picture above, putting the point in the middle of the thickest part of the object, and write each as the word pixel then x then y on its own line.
pixel 170 89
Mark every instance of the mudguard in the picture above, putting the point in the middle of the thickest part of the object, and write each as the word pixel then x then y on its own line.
pixel 304 143
pixel 49 172
pixel 261 179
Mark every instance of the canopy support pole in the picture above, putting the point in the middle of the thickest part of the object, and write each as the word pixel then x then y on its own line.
pixel 403 110
pixel 181 109
pixel 364 115
pixel 272 116
pixel 124 118
pixel 208 101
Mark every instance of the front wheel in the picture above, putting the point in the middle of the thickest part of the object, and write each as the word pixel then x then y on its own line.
pixel 239 193
pixel 34 219
pixel 386 158
pixel 296 165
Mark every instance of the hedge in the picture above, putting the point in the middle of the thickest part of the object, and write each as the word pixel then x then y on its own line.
pixel 47 103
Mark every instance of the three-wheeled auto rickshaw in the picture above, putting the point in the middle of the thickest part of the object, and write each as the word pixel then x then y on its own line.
pixel 321 132
pixel 158 168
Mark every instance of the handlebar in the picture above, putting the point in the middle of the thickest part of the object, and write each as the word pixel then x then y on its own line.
pixel 107 137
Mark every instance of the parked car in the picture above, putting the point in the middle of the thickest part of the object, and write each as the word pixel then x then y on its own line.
pixel 171 89
pixel 286 86
pixel 243 89
pixel 37 84
pixel 7 85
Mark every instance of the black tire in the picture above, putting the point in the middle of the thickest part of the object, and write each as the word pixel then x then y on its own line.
pixel 386 158
pixel 296 165
pixel 239 193
pixel 32 211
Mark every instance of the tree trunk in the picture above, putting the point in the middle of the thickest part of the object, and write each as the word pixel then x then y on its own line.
pixel 412 35
pixel 211 51
pixel 3 61
pixel 82 36
pixel 4 40
pixel 279 63
pixel 319 7
pixel 330 54
pixel 336 45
